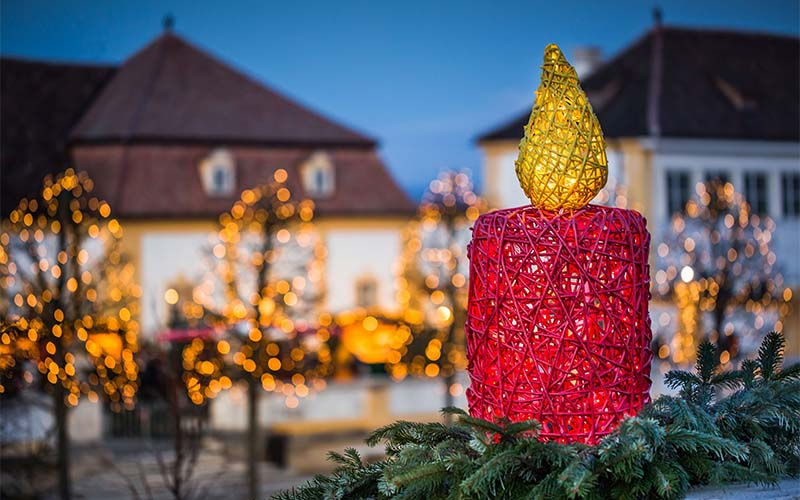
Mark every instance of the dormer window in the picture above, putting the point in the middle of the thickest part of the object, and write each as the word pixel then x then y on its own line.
pixel 218 172
pixel 318 178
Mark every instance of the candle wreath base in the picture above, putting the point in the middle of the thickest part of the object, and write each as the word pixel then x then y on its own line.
pixel 558 327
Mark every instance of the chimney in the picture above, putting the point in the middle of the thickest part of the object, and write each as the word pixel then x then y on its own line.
pixel 586 59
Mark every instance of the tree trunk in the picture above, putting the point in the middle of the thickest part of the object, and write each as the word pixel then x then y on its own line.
pixel 252 438
pixel 62 440
pixel 177 471
pixel 70 246
pixel 449 400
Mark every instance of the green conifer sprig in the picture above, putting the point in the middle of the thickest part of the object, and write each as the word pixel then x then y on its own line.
pixel 724 426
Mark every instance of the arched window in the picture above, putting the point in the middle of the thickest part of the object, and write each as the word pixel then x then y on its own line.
pixel 318 175
pixel 218 172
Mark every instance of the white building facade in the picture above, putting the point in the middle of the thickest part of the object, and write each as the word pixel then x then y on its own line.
pixel 731 111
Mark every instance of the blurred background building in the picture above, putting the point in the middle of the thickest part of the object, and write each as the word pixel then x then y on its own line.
pixel 172 137
pixel 684 106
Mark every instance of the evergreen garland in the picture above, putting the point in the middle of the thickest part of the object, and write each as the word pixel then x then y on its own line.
pixel 725 426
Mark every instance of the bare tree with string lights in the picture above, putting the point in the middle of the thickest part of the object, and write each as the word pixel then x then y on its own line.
pixel 265 290
pixel 433 279
pixel 716 264
pixel 67 288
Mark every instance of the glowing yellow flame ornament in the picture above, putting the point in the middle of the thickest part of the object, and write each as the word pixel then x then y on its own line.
pixel 562 158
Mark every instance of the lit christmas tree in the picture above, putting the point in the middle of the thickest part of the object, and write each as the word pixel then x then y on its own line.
pixel 265 291
pixel 68 290
pixel 716 264
pixel 433 279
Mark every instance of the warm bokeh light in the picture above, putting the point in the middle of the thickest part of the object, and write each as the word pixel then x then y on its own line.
pixel 262 292
pixel 716 265
pixel 374 340
pixel 171 296
pixel 76 305
pixel 432 277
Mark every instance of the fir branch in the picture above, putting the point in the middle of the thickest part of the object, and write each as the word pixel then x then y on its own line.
pixel 726 426
pixel 770 355
pixel 706 362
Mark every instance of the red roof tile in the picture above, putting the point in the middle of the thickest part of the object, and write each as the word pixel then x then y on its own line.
pixel 713 84
pixel 40 103
pixel 150 181
pixel 144 134
pixel 172 91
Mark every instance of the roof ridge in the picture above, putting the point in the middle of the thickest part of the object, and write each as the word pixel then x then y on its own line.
pixel 627 48
pixel 621 53
pixel 647 110
pixel 262 112
pixel 135 117
pixel 147 91
pixel 264 86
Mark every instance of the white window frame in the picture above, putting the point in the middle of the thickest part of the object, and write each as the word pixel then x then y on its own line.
pixel 734 157
pixel 754 174
pixel 319 164
pixel 685 197
pixel 783 192
pixel 218 161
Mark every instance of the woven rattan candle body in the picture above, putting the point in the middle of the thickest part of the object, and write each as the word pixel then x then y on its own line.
pixel 558 327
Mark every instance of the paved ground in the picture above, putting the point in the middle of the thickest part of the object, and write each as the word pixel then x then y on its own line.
pixel 110 474
pixel 131 471
pixel 788 489
pixel 218 478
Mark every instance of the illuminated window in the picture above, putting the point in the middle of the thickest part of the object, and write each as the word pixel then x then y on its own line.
pixel 790 187
pixel 678 191
pixel 755 191
pixel 218 173
pixel 318 175
pixel 367 292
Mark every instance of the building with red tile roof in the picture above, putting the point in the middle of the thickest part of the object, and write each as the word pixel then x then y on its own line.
pixel 172 136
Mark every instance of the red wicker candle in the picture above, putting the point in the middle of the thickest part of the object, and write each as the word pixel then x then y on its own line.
pixel 558 326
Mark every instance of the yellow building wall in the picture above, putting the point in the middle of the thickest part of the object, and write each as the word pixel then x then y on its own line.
pixel 791 327
pixel 356 247
pixel 134 231
pixel 495 156
pixel 637 166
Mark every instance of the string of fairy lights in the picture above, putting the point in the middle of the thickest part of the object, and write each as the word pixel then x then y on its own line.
pixel 264 286
pixel 715 263
pixel 70 303
pixel 432 279
pixel 67 294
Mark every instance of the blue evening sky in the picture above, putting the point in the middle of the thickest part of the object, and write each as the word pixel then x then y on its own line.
pixel 424 77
